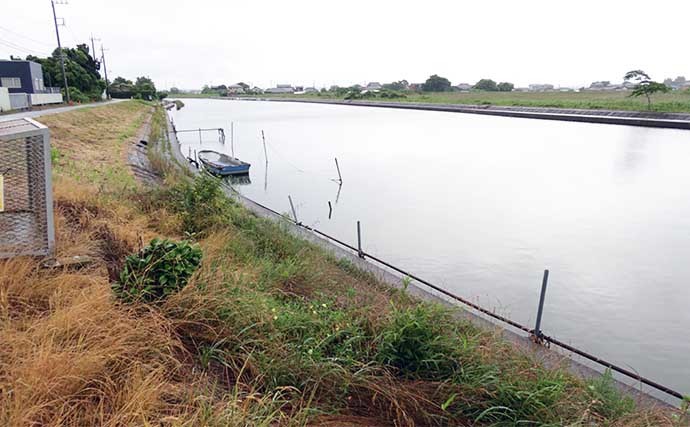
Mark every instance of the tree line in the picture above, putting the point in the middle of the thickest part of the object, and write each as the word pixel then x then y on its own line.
pixel 84 77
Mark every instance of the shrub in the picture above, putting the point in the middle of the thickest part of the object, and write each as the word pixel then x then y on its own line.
pixel 418 343
pixel 201 203
pixel 157 271
pixel 76 95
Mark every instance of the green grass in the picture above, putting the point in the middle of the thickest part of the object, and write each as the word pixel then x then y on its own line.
pixel 676 102
pixel 332 340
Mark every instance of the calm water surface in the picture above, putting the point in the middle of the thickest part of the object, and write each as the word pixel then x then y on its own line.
pixel 482 205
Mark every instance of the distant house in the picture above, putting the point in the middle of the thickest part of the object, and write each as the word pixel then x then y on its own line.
pixel 280 89
pixel 235 89
pixel 374 86
pixel 25 86
pixel 540 87
pixel 606 85
pixel 463 87
pixel 310 90
pixel 257 90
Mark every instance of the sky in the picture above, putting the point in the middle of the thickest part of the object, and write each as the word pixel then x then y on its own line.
pixel 302 42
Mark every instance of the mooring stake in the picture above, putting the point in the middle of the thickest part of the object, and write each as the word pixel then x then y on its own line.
pixel 330 209
pixel 232 138
pixel 537 327
pixel 340 177
pixel 200 140
pixel 263 138
pixel 292 206
pixel 360 252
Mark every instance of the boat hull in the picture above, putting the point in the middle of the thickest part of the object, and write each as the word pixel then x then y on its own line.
pixel 227 170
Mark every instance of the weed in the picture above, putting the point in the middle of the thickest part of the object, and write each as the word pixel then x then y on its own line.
pixel 157 271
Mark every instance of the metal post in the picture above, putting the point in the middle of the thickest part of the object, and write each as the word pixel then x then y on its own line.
pixel 196 161
pixel 330 209
pixel 537 327
pixel 340 177
pixel 360 252
pixel 200 141
pixel 294 214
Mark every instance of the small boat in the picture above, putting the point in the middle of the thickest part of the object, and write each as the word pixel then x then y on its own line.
pixel 222 164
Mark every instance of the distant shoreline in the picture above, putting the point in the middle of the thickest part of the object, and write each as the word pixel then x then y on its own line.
pixel 655 119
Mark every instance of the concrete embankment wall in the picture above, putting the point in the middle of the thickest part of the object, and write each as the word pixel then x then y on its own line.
pixel 613 117
pixel 551 358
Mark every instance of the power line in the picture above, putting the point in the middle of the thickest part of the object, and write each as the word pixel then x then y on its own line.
pixel 25 49
pixel 25 37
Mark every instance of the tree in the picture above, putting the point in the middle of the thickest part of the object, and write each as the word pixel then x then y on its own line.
pixel 81 68
pixel 174 90
pixel 436 83
pixel 121 88
pixel 486 84
pixel 645 85
pixel 144 88
pixel 505 87
pixel 244 85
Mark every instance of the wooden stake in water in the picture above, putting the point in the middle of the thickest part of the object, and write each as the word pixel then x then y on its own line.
pixel 232 138
pixel 340 177
pixel 330 209
pixel 200 141
pixel 264 140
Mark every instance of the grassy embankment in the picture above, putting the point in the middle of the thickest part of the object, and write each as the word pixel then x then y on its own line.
pixel 269 331
pixel 673 102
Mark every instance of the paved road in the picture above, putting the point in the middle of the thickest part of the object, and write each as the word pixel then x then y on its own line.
pixel 37 113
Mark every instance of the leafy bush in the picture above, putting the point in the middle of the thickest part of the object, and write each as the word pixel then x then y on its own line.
pixel 157 271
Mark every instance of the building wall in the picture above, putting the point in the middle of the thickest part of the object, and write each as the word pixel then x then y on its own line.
pixel 46 98
pixel 5 104
pixel 27 72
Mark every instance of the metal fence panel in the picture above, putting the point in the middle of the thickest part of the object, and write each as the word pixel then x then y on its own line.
pixel 26 214
pixel 19 101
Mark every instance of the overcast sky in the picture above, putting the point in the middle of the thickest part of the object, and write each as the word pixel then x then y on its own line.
pixel 192 43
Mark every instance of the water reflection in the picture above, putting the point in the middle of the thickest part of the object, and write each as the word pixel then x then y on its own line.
pixel 239 179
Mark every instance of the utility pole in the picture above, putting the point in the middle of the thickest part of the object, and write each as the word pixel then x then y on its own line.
pixel 62 54
pixel 93 48
pixel 105 72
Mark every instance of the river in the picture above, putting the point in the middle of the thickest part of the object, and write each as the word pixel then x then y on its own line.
pixel 481 205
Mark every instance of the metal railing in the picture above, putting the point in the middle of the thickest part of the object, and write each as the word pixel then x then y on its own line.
pixel 535 333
